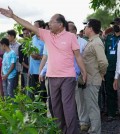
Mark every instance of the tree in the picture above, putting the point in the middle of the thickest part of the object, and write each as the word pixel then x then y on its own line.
pixel 104 16
pixel 2 35
pixel 111 5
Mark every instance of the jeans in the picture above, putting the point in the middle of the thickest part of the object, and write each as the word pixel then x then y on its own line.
pixel 8 87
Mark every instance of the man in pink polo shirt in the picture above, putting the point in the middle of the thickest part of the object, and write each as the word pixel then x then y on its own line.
pixel 62 46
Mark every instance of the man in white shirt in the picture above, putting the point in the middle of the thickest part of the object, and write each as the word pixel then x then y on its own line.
pixel 79 96
pixel 116 84
pixel 117 72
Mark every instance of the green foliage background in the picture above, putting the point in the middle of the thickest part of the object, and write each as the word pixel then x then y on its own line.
pixel 104 16
pixel 112 5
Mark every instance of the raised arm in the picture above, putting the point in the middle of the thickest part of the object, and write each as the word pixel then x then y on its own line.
pixel 9 13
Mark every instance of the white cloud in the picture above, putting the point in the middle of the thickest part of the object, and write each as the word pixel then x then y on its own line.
pixel 31 10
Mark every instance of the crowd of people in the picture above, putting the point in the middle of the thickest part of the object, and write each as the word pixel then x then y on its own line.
pixel 79 73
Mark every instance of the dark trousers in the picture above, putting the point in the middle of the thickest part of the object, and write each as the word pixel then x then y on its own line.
pixel 22 81
pixel 111 94
pixel 39 88
pixel 49 101
pixel 62 92
pixel 17 79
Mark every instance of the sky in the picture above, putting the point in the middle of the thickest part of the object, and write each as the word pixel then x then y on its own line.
pixel 31 10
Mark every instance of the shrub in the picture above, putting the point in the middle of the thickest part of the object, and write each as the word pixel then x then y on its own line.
pixel 21 115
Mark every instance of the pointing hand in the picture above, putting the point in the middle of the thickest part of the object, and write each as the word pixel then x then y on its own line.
pixel 7 12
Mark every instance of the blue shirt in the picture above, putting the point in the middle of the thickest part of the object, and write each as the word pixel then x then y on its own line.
pixel 34 64
pixel 44 70
pixel 8 59
pixel 82 42
pixel 45 51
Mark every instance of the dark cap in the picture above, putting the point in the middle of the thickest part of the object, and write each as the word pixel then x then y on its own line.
pixel 115 21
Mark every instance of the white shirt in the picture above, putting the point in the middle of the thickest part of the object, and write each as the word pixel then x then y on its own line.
pixel 82 42
pixel 117 72
pixel 15 47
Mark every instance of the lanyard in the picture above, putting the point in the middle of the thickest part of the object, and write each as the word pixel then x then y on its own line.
pixel 113 43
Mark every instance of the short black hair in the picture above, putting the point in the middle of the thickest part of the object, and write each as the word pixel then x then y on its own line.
pixel 61 19
pixel 4 41
pixel 25 29
pixel 47 24
pixel 81 31
pixel 70 22
pixel 74 28
pixel 95 24
pixel 12 33
pixel 41 23
pixel 66 26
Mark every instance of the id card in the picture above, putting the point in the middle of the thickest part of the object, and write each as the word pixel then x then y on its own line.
pixel 112 52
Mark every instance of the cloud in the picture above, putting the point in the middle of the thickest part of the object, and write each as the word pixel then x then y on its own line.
pixel 25 9
pixel 31 10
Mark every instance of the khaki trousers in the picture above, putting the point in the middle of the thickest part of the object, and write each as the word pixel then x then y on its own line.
pixel 81 108
pixel 90 94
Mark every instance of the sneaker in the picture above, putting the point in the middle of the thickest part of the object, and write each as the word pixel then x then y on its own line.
pixel 84 128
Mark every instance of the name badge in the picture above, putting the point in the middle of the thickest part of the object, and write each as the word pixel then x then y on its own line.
pixel 112 52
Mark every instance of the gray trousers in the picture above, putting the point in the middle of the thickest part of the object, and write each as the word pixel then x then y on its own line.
pixel 93 111
pixel 62 92
pixel 49 105
pixel 81 108
pixel 26 78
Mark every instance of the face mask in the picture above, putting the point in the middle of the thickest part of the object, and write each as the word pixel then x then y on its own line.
pixel 116 28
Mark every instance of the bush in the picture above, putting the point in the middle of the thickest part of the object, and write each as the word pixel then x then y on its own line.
pixel 21 115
